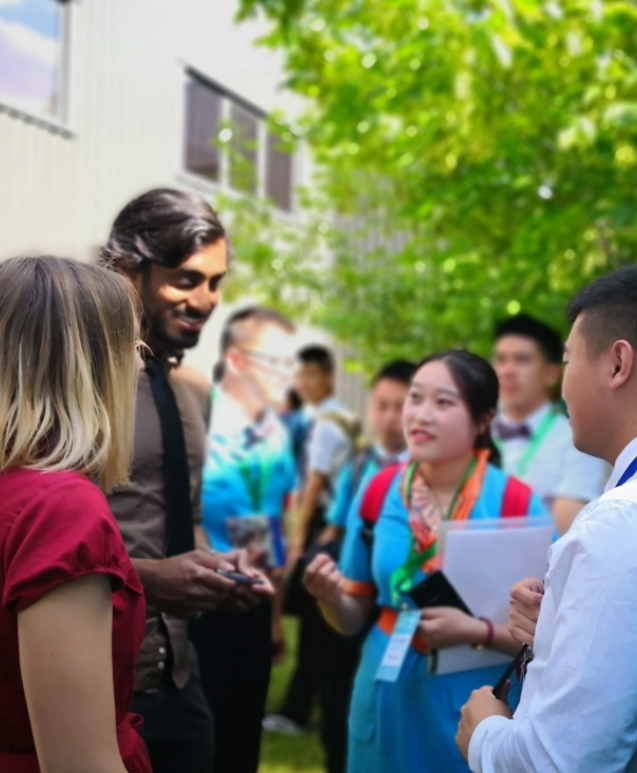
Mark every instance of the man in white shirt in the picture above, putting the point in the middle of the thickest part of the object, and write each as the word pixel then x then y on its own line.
pixel 534 437
pixel 578 712
pixel 330 442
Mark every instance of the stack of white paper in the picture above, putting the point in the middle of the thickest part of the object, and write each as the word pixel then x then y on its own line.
pixel 483 564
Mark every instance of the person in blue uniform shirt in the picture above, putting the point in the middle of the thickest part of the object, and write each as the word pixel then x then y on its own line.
pixel 533 435
pixel 578 710
pixel 331 435
pixel 385 420
pixel 248 478
pixel 409 724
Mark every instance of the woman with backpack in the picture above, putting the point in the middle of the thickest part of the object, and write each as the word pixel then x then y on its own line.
pixel 407 721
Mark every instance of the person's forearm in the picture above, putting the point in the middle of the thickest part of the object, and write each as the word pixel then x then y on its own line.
pixel 201 538
pixel 349 614
pixel 503 641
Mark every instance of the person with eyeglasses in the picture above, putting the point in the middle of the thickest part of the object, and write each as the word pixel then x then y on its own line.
pixel 248 479
pixel 331 435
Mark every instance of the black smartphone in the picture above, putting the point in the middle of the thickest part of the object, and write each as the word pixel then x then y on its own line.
pixel 240 579
pixel 497 690
pixel 437 591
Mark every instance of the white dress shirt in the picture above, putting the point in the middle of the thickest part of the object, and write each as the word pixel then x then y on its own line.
pixel 558 469
pixel 578 712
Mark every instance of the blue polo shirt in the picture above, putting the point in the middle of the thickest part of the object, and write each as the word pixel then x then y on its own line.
pixel 249 469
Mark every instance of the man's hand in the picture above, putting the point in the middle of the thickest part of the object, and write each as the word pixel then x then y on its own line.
pixel 481 704
pixel 243 598
pixel 186 585
pixel 323 579
pixel 526 598
pixel 444 627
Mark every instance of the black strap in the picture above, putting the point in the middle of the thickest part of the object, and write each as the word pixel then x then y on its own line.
pixel 179 524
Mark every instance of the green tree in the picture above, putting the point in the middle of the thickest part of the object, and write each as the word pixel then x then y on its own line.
pixel 479 156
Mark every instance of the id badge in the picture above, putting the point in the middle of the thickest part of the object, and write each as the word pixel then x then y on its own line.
pixel 400 641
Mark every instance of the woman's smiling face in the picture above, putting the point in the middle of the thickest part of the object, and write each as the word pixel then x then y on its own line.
pixel 437 422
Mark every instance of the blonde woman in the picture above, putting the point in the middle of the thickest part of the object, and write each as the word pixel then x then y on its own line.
pixel 72 610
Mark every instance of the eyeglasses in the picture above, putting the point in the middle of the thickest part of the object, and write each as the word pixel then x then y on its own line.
pixel 279 364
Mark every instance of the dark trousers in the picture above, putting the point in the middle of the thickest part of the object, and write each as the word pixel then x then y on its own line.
pixel 326 667
pixel 178 726
pixel 235 654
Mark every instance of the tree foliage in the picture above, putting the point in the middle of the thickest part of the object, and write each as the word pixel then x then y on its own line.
pixel 480 157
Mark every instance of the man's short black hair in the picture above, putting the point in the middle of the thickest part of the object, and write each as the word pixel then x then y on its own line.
pixel 398 370
pixel 610 308
pixel 318 355
pixel 548 339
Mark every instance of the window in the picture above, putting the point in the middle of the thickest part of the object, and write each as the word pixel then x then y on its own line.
pixel 244 148
pixel 203 116
pixel 278 173
pixel 33 57
pixel 250 159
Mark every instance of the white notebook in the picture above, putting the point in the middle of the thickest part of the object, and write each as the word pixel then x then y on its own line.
pixel 483 560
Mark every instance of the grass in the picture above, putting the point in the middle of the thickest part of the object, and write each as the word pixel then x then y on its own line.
pixel 282 753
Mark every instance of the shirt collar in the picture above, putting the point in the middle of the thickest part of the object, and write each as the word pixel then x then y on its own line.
pixel 621 465
pixel 329 404
pixel 533 420
pixel 382 454
pixel 169 360
pixel 229 416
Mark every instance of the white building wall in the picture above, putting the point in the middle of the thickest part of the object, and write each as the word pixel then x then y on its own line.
pixel 61 188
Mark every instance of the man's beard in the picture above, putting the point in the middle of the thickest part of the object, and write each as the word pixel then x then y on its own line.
pixel 157 328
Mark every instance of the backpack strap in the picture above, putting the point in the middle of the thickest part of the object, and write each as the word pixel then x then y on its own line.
pixel 516 499
pixel 359 464
pixel 374 499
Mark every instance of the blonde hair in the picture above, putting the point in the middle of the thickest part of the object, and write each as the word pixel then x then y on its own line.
pixel 67 368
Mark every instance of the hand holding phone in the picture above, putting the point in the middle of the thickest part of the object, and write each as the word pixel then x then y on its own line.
pixel 498 689
pixel 240 579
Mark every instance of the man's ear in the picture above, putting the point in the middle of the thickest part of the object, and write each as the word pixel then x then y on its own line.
pixel 622 362
pixel 233 360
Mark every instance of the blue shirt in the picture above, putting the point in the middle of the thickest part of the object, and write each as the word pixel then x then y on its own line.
pixel 346 487
pixel 249 469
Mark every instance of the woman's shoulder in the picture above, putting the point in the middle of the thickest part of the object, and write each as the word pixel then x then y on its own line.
pixel 60 528
pixel 390 480
pixel 494 474
pixel 21 487
pixel 65 501
pixel 506 494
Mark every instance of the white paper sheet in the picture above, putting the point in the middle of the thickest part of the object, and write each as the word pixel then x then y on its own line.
pixel 483 561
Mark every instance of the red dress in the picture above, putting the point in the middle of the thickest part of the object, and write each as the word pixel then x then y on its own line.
pixel 54 528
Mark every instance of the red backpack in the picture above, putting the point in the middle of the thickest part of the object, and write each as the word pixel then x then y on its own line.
pixel 515 501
